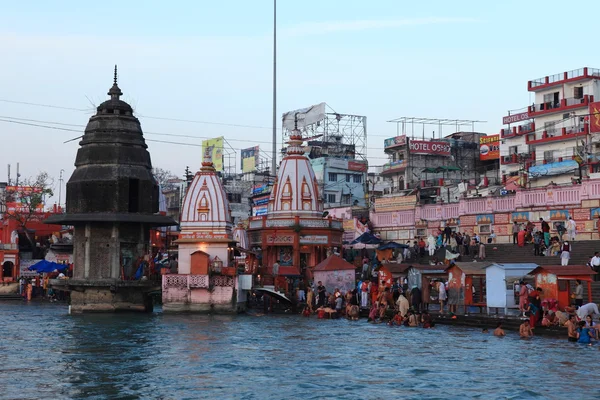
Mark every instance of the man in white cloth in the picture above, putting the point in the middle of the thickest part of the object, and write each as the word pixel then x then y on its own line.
pixel 587 309
pixel 571 228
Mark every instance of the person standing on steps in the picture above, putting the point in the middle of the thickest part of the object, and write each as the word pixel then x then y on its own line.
pixel 515 231
pixel 571 229
pixel 565 254
pixel 578 293
pixel 546 230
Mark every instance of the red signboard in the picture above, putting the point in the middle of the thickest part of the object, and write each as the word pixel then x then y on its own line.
pixel 425 147
pixel 489 147
pixel 511 119
pixel 357 166
pixel 595 117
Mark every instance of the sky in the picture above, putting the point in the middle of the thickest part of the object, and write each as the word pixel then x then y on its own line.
pixel 210 63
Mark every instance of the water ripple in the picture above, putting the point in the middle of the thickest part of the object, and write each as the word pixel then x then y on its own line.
pixel 52 355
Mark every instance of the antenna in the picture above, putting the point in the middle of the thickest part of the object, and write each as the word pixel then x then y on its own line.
pixel 18 174
pixel 8 174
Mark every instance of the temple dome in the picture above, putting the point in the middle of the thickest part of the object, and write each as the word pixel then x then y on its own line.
pixel 295 192
pixel 206 212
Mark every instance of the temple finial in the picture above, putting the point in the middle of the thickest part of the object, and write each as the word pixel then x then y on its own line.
pixel 115 80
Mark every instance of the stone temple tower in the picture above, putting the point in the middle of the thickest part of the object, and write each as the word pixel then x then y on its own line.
pixel 112 202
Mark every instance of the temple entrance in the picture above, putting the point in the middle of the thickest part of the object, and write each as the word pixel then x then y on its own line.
pixel 7 269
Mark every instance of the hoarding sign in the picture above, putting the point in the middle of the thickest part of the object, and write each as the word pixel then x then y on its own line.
pixel 595 117
pixel 511 119
pixel 357 166
pixel 249 159
pixel 395 141
pixel 213 150
pixel 427 147
pixel 395 203
pixel 338 163
pixel 489 147
pixel 313 239
pixel 304 116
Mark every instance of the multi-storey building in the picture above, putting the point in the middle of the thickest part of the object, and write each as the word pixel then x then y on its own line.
pixel 553 145
pixel 437 166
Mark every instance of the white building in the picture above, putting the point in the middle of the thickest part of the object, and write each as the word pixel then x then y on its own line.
pixel 551 145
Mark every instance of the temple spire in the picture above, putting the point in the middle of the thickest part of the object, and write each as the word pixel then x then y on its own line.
pixel 114 92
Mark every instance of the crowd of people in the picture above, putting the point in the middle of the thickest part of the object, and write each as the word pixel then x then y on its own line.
pixel 397 305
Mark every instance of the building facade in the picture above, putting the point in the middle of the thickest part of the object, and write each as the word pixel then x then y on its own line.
pixel 551 142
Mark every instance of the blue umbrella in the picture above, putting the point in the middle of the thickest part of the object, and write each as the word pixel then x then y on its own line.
pixel 47 266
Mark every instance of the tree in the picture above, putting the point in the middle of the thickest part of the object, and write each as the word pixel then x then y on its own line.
pixel 25 203
pixel 165 178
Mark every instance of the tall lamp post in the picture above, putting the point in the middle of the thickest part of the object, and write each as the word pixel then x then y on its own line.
pixel 274 161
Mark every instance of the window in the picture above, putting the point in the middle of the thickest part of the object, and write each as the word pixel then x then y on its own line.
pixel 357 178
pixel 348 177
pixel 549 155
pixel 578 92
pixel 484 229
pixel 331 198
pixel 134 195
pixel 332 177
pixel 550 128
pixel 513 150
pixel 346 198
pixel 234 197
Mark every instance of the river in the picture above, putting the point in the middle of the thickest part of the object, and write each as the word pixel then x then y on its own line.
pixel 45 353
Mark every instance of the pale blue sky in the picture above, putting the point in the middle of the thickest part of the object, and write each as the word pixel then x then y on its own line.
pixel 211 61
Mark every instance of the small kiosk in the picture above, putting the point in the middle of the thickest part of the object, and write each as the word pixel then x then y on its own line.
pixel 466 284
pixel 421 275
pixel 389 272
pixel 500 284
pixel 555 281
pixel 336 273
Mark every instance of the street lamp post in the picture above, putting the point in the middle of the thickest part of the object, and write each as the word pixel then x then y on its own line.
pixel 274 160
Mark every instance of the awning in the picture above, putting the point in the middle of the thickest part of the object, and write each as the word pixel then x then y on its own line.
pixel 277 295
pixel 555 168
pixel 442 168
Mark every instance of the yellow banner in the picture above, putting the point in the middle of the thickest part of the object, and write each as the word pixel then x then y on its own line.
pixel 396 203
pixel 215 150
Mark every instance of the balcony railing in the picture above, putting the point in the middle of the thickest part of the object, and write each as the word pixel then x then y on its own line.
pixel 560 105
pixel 575 74
pixel 557 134
pixel 9 246
pixel 518 158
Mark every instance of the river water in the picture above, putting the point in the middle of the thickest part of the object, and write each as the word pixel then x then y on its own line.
pixel 45 353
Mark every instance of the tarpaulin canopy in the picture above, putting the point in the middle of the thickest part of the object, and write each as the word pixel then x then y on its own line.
pixel 366 238
pixel 392 245
pixel 47 266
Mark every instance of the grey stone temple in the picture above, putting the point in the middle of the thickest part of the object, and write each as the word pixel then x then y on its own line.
pixel 112 202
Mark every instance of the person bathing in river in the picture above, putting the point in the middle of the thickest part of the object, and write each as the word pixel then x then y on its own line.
pixel 427 320
pixel 413 321
pixel 525 330
pixel 585 335
pixel 571 325
pixel 499 331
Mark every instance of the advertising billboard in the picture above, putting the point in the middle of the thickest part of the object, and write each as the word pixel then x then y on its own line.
pixel 213 148
pixel 395 141
pixel 429 147
pixel 249 159
pixel 489 147
pixel 304 116
pixel 395 203
pixel 595 117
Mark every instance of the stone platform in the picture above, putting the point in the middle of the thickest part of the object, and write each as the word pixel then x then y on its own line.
pixel 107 295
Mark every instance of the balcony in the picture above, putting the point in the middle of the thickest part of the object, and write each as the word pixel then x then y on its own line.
pixel 562 105
pixel 562 78
pixel 557 134
pixel 517 130
pixel 518 158
pixel 394 167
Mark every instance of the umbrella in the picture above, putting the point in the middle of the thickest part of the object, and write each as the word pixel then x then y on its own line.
pixel 47 266
pixel 392 245
pixel 366 238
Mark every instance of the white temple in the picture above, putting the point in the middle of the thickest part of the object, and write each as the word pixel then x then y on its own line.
pixel 208 276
